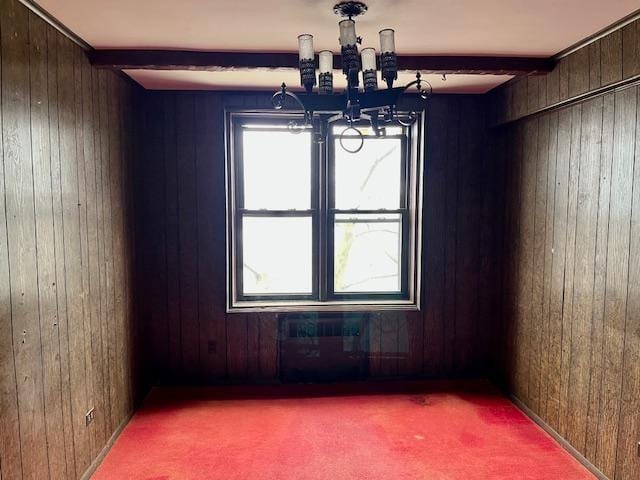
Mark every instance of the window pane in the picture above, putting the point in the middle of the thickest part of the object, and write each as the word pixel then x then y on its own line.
pixel 367 130
pixel 276 255
pixel 367 255
pixel 369 179
pixel 277 170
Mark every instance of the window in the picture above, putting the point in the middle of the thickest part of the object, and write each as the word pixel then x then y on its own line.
pixel 313 227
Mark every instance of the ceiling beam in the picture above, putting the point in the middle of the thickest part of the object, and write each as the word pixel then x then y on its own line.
pixel 215 61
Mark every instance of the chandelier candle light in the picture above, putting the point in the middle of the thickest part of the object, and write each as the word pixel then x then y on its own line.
pixel 353 105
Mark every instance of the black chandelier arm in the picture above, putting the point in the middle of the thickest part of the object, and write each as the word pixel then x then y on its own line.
pixel 278 99
pixel 424 93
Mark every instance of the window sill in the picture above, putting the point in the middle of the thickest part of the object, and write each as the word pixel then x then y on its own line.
pixel 337 306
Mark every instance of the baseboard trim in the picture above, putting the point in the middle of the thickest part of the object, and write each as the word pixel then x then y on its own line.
pixel 103 453
pixel 558 438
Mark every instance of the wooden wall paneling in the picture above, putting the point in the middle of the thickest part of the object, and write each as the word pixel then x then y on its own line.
pixel 268 346
pixel 21 234
pixel 617 277
pixel 539 237
pixel 121 222
pixel 558 267
pixel 106 247
pixel 520 98
pixel 595 65
pixel 611 58
pixel 111 253
pixel 502 138
pixel 533 94
pixel 563 78
pixel 584 271
pixel 172 229
pixel 93 173
pixel 243 346
pixel 509 110
pixel 536 92
pixel 60 279
pixel 389 344
pixel 152 237
pixel 211 240
pixel 219 261
pixel 404 348
pixel 376 323
pixel 570 253
pixel 120 243
pixel 512 247
pixel 544 347
pixel 47 293
pixel 553 86
pixel 526 257
pixel 410 338
pixel 631 49
pixel 253 346
pixel 583 244
pixel 10 457
pixel 606 154
pixel 146 226
pixel 433 250
pixel 627 462
pixel 237 346
pixel 134 125
pixel 451 209
pixel 53 229
pixel 119 250
pixel 579 72
pixel 468 240
pixel 135 122
pixel 188 232
pixel 490 283
pixel 605 61
pixel 72 253
pixel 82 130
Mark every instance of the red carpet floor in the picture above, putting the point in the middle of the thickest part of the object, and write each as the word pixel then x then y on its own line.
pixel 417 430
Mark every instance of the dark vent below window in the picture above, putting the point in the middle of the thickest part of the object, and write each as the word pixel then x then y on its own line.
pixel 336 328
pixel 323 347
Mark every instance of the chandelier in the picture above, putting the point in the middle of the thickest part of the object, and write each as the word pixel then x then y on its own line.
pixel 354 105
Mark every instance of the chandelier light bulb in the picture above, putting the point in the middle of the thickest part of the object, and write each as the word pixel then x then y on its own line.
pixel 387 41
pixel 347 33
pixel 368 59
pixel 305 46
pixel 326 61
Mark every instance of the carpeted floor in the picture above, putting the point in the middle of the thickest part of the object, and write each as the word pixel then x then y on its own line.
pixel 396 431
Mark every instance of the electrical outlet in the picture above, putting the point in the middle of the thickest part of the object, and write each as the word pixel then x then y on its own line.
pixel 211 346
pixel 89 416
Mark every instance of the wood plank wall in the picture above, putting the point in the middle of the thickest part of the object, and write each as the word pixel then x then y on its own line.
pixel 570 347
pixel 606 61
pixel 66 320
pixel 182 227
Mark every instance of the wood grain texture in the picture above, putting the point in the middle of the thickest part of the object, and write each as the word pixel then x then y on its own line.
pixel 627 462
pixel 52 231
pixel 622 183
pixel 192 60
pixel 606 61
pixel 570 224
pixel 21 234
pixel 184 218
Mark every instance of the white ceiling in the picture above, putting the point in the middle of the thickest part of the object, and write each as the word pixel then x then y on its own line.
pixel 446 27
